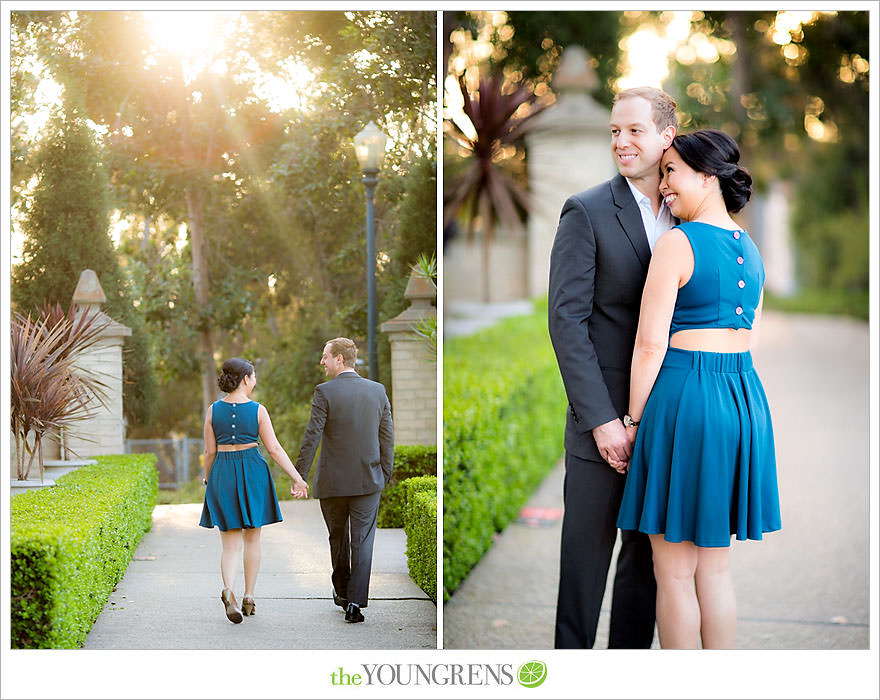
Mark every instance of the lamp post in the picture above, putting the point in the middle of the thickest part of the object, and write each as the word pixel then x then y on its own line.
pixel 369 145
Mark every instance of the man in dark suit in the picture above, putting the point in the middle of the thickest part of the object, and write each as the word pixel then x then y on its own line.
pixel 598 267
pixel 351 418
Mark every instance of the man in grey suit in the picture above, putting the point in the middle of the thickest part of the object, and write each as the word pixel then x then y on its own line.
pixel 351 418
pixel 598 267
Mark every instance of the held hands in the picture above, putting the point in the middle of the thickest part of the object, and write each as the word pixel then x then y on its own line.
pixel 615 443
pixel 299 489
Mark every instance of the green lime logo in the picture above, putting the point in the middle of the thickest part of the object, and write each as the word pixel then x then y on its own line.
pixel 532 673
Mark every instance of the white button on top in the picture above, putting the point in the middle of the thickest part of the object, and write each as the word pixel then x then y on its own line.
pixel 740 260
pixel 736 235
pixel 739 310
pixel 741 284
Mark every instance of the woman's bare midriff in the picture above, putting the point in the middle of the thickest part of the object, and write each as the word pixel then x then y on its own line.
pixel 235 448
pixel 712 339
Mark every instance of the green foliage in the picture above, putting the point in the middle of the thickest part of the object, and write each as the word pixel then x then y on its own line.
pixel 415 235
pixel 66 232
pixel 821 301
pixel 830 228
pixel 768 96
pixel 503 422
pixel 278 190
pixel 538 39
pixel 409 461
pixel 420 524
pixel 70 544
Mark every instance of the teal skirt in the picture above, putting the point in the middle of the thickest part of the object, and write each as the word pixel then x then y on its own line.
pixel 704 464
pixel 240 492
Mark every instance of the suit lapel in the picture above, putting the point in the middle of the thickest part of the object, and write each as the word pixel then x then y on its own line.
pixel 630 218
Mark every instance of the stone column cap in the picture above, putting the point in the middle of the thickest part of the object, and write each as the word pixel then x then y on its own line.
pixel 420 291
pixel 89 290
pixel 574 71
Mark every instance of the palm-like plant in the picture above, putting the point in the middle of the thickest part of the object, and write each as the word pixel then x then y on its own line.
pixel 484 190
pixel 426 328
pixel 47 392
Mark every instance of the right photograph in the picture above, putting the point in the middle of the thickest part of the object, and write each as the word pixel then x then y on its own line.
pixel 656 330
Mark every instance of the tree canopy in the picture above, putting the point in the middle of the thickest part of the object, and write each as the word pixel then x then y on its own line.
pixel 242 214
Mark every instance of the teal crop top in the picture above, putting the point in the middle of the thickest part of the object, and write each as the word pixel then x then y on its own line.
pixel 725 288
pixel 235 423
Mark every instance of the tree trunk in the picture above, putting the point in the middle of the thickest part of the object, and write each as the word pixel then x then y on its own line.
pixel 202 289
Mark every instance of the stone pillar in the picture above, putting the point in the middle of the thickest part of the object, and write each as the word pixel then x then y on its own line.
pixel 413 368
pixel 776 246
pixel 105 432
pixel 569 150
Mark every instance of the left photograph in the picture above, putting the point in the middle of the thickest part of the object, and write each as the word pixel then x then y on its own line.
pixel 223 330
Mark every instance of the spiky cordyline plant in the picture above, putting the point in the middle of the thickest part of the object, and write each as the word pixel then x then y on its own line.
pixel 426 328
pixel 47 392
pixel 484 190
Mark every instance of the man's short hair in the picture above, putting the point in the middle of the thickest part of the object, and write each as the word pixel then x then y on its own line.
pixel 662 105
pixel 346 348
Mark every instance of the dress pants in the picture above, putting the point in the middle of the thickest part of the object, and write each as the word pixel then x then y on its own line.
pixel 351 524
pixel 592 492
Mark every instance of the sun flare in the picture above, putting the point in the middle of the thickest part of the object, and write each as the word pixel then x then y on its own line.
pixel 190 33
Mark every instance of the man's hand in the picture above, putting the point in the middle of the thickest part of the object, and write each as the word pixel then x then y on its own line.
pixel 299 489
pixel 614 443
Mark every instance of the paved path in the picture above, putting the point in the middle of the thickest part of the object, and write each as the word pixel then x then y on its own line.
pixel 806 587
pixel 169 597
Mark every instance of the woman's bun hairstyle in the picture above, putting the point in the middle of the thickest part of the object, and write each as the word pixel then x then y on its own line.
pixel 715 153
pixel 233 371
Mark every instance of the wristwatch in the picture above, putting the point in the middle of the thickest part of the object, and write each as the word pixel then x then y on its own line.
pixel 628 422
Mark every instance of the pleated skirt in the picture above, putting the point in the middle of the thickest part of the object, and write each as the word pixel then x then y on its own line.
pixel 704 464
pixel 240 492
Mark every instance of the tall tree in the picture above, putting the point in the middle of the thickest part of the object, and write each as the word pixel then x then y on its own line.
pixel 66 231
pixel 278 189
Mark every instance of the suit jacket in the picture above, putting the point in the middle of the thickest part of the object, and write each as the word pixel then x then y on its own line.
pixel 598 266
pixel 351 418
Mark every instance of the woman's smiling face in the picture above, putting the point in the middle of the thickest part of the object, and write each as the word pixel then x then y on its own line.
pixel 683 188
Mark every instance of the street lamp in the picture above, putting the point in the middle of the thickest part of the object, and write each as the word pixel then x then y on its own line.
pixel 369 145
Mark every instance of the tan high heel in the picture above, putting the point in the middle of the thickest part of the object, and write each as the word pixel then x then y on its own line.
pixel 247 606
pixel 232 611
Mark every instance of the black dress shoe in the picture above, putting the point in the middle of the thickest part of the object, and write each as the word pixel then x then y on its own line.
pixel 353 613
pixel 340 601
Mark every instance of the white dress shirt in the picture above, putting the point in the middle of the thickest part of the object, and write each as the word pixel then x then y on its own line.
pixel 654 226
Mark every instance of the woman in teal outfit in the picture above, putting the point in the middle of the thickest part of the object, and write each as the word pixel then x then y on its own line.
pixel 703 466
pixel 240 494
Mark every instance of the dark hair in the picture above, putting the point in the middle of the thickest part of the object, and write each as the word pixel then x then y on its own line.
pixel 715 153
pixel 233 371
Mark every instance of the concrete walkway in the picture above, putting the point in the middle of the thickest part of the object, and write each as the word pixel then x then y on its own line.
pixel 805 587
pixel 169 597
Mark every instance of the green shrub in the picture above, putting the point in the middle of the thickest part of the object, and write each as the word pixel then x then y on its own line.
pixel 409 461
pixel 70 545
pixel 420 525
pixel 503 423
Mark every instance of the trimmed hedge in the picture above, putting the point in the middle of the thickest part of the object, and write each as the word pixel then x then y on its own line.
pixel 70 544
pixel 409 461
pixel 420 525
pixel 503 424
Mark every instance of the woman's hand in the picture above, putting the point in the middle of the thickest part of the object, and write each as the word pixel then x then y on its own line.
pixel 614 444
pixel 299 489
